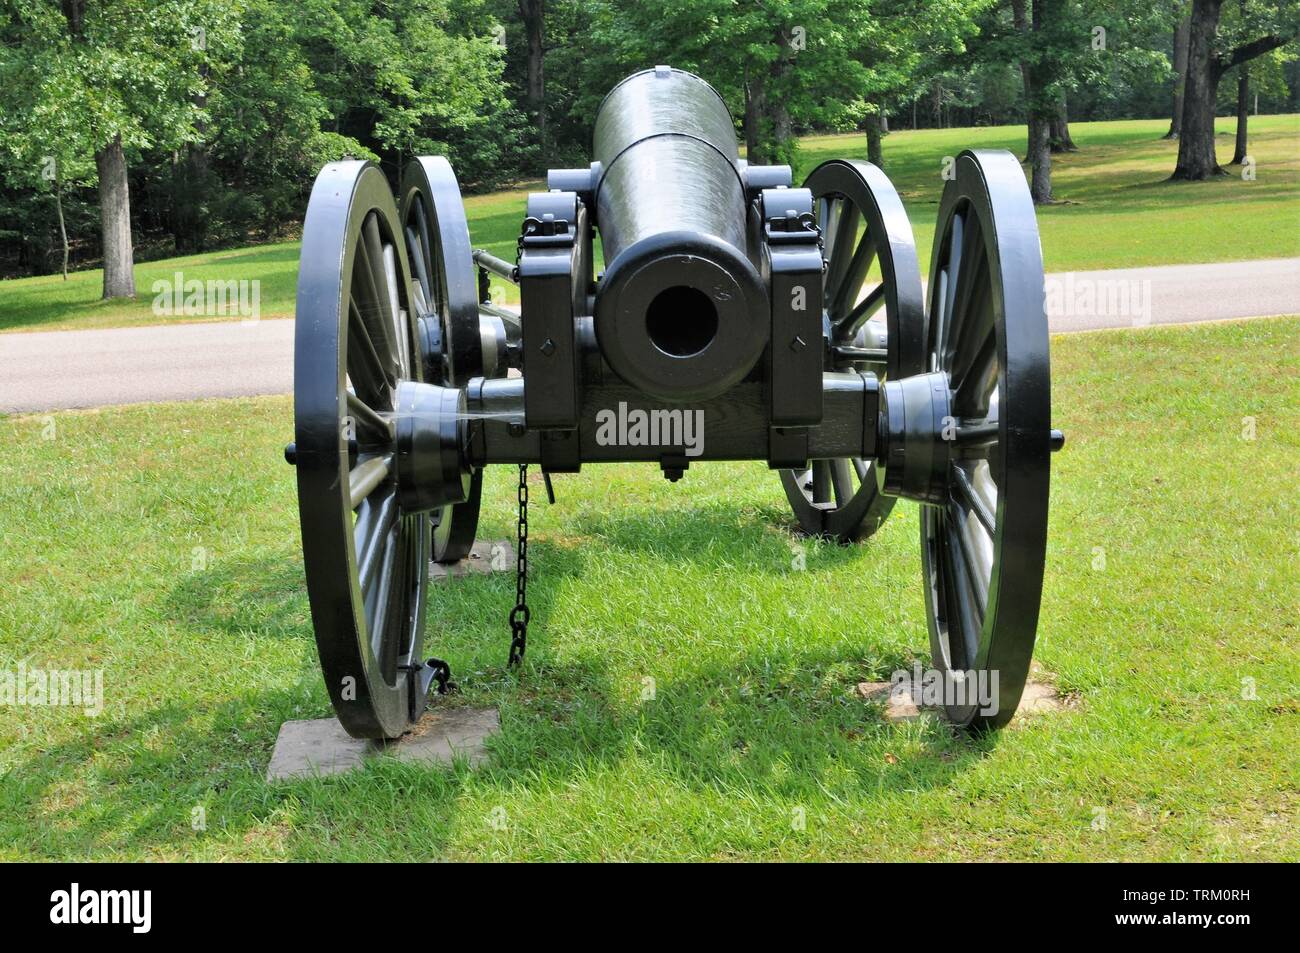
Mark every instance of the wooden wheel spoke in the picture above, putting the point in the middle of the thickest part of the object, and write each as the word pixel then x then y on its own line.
pixel 976 339
pixel 388 599
pixel 846 296
pixel 847 329
pixel 970 500
pixel 947 289
pixel 828 213
pixel 401 335
pixel 375 428
pixel 375 520
pixel 369 375
pixel 415 252
pixel 975 547
pixel 968 614
pixel 437 295
pixel 372 302
pixel 393 636
pixel 844 249
pixel 967 263
pixel 367 475
pixel 976 433
pixel 374 245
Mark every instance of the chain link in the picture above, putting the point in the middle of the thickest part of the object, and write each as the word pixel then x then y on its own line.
pixel 519 614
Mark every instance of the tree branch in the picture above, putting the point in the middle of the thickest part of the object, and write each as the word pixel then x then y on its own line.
pixel 1248 51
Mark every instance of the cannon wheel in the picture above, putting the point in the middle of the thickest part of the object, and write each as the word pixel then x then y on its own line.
pixel 862 222
pixel 366 561
pixel 437 234
pixel 446 291
pixel 983 551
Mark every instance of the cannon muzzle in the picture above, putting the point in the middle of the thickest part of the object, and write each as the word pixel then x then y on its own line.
pixel 682 310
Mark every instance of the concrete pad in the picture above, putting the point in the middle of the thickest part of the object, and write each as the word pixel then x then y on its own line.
pixel 442 735
pixel 1037 698
pixel 314 748
pixel 897 700
pixel 320 747
pixel 486 556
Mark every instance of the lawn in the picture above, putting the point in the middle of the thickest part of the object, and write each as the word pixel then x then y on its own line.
pixel 160 544
pixel 1117 211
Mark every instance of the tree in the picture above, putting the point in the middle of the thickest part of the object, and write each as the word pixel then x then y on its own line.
pixel 1243 113
pixel 1182 31
pixel 43 155
pixel 533 13
pixel 408 77
pixel 1039 23
pixel 1270 26
pixel 126 74
pixel 901 45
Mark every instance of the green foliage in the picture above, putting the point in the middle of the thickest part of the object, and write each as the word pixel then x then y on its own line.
pixel 787 65
pixel 228 108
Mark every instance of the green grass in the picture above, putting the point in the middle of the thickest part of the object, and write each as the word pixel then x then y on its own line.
pixel 1117 211
pixel 691 585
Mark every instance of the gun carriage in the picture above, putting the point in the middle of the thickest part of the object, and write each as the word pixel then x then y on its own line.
pixel 791 321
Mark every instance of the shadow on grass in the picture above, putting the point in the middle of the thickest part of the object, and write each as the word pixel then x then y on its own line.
pixel 237 595
pixel 776 723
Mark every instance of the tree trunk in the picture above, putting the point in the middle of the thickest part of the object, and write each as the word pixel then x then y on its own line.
pixel 1243 111
pixel 533 13
pixel 1196 159
pixel 1040 160
pixel 782 126
pixel 1041 107
pixel 63 230
pixel 115 221
pixel 1020 20
pixel 755 138
pixel 1182 31
pixel 1060 129
pixel 874 154
pixel 190 184
pixel 779 112
pixel 884 121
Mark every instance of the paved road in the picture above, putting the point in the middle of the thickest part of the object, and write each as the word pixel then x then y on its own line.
pixel 1173 294
pixel 50 370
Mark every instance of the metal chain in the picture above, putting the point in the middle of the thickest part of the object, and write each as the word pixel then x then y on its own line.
pixel 519 614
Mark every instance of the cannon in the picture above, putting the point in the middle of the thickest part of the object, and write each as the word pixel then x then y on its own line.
pixel 737 317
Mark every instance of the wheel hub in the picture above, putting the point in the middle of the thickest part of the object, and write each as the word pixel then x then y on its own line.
pixel 917 437
pixel 430 424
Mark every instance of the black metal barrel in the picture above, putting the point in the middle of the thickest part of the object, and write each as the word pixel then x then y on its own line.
pixel 681 312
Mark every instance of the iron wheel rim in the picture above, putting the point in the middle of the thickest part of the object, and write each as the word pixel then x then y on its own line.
pixel 841 499
pixel 443 280
pixel 437 239
pixel 983 549
pixel 366 566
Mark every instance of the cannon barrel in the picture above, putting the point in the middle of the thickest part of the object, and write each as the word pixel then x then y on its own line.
pixel 681 311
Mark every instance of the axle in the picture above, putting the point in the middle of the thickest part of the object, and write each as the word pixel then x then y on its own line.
pixel 907 427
